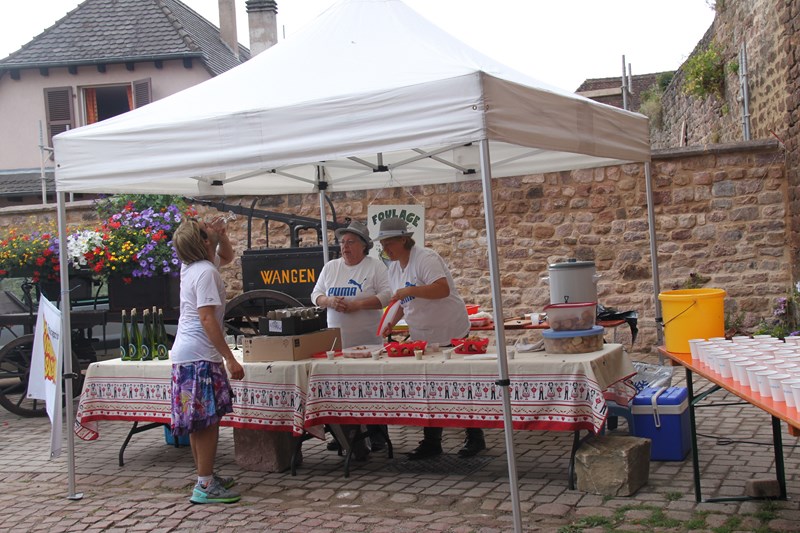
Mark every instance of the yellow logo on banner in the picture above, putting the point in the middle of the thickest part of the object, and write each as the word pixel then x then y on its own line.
pixel 288 275
pixel 49 355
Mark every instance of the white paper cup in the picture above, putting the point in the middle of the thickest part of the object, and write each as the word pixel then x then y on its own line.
pixel 735 367
pixel 796 395
pixel 786 367
pixel 331 354
pixel 418 355
pixel 776 387
pixel 788 396
pixel 724 365
pixel 752 380
pixel 762 378
pixel 741 369
pixel 694 348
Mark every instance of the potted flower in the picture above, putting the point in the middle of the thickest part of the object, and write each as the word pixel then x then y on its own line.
pixel 133 250
pixel 33 254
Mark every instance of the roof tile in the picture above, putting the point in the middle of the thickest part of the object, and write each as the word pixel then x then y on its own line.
pixel 99 31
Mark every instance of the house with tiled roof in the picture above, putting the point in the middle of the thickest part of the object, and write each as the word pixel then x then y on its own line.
pixel 100 60
pixel 609 90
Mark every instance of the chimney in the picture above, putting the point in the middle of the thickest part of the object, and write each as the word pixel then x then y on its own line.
pixel 261 16
pixel 227 25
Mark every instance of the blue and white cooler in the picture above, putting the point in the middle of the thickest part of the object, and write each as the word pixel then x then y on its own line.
pixel 661 415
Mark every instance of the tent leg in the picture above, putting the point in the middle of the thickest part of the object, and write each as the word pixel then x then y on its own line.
pixel 66 346
pixel 322 185
pixel 502 362
pixel 651 222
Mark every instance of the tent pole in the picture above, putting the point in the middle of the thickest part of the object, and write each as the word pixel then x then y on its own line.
pixel 502 363
pixel 651 222
pixel 66 344
pixel 322 185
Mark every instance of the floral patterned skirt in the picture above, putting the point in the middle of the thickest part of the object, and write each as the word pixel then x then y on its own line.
pixel 201 396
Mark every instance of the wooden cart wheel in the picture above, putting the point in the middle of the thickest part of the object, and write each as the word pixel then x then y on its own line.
pixel 242 313
pixel 15 369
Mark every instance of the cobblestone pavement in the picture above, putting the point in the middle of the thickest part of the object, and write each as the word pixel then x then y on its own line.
pixel 150 493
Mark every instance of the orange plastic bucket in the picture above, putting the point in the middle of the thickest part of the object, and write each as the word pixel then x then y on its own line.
pixel 691 314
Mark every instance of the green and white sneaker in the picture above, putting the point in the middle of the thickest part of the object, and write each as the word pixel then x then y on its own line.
pixel 214 493
pixel 226 482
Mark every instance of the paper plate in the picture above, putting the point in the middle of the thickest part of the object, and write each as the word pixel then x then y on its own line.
pixel 388 315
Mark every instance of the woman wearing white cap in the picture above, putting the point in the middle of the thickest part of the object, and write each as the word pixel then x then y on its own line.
pixel 355 288
pixel 432 308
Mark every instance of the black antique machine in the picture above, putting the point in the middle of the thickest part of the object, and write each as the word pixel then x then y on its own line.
pixel 274 278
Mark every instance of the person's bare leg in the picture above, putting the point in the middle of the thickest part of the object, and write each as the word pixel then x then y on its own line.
pixel 204 449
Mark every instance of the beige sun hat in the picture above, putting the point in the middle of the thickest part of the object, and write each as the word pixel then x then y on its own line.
pixel 393 227
pixel 356 228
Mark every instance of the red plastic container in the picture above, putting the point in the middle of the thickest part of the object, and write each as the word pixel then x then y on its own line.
pixel 470 345
pixel 404 349
pixel 473 308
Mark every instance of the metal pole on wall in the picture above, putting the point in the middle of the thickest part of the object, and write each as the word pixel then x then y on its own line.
pixel 651 222
pixel 744 95
pixel 502 363
pixel 42 150
pixel 624 86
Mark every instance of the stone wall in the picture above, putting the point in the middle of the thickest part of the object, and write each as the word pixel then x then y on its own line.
pixel 766 29
pixel 720 212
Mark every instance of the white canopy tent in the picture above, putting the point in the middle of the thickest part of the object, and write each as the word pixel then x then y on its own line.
pixel 369 95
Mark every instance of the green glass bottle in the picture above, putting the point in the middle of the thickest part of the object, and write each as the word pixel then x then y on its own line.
pixel 124 340
pixel 134 338
pixel 147 337
pixel 162 349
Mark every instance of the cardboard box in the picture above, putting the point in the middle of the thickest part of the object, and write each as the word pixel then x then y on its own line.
pixel 662 415
pixel 290 347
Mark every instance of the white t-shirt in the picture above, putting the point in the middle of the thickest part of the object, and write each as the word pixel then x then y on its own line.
pixel 367 278
pixel 429 320
pixel 201 286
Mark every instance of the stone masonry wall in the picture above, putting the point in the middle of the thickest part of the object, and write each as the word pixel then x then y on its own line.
pixel 763 27
pixel 720 212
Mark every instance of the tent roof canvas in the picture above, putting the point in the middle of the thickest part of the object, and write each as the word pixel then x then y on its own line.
pixel 371 92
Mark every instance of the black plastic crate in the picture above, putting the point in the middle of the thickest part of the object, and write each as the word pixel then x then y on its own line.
pixel 293 325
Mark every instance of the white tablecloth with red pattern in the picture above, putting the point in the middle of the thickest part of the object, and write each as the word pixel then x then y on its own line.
pixel 548 391
pixel 271 397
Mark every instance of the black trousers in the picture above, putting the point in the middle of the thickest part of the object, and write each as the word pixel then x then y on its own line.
pixel 435 434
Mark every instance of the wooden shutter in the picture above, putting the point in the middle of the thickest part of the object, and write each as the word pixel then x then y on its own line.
pixel 58 107
pixel 142 94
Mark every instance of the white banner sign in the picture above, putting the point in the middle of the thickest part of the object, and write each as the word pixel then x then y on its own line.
pixel 46 365
pixel 414 215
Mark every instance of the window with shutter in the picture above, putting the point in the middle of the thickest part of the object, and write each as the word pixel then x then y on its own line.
pixel 142 93
pixel 58 107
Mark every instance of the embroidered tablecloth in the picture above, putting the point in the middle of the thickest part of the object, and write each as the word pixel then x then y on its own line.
pixel 548 391
pixel 271 397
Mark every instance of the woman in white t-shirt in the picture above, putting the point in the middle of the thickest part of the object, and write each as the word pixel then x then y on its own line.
pixel 432 308
pixel 355 288
pixel 201 392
